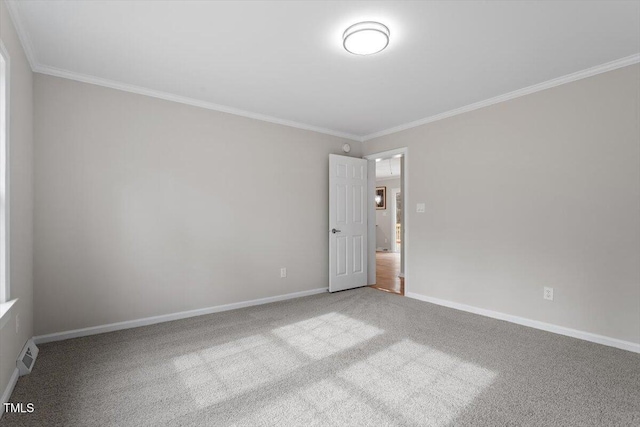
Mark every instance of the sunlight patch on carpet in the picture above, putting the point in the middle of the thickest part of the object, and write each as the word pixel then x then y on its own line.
pixel 326 335
pixel 324 403
pixel 221 372
pixel 424 385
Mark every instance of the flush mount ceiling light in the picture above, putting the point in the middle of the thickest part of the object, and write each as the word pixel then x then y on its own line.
pixel 365 38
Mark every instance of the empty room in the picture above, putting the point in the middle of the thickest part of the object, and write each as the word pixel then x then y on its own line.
pixel 319 213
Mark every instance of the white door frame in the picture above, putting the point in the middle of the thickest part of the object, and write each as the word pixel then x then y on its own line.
pixel 404 151
pixel 5 159
pixel 394 213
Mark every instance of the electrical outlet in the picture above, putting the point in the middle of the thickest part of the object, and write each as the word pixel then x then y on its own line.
pixel 386 240
pixel 420 207
pixel 17 323
pixel 548 293
pixel 283 272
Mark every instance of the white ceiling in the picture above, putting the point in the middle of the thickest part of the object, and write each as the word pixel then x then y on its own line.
pixel 388 168
pixel 283 61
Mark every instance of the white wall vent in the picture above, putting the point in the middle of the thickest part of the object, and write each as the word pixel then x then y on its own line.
pixel 27 358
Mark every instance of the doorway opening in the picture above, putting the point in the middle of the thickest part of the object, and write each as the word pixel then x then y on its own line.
pixel 387 238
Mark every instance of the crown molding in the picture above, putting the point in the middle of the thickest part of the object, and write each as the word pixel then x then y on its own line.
pixel 387 178
pixel 52 71
pixel 598 69
pixel 25 40
pixel 85 78
pixel 36 67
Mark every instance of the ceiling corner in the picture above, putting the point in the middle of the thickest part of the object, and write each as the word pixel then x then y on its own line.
pixel 25 40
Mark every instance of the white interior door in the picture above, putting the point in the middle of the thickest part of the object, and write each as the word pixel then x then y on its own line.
pixel 347 223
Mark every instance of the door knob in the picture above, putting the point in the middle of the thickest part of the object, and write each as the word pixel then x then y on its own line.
pixel 334 231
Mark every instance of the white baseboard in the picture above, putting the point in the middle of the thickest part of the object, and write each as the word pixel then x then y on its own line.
pixel 587 336
pixel 76 333
pixel 7 391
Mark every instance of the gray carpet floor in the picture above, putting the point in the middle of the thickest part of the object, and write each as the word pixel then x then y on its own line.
pixel 360 357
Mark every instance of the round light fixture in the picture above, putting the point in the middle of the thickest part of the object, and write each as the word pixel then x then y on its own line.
pixel 365 38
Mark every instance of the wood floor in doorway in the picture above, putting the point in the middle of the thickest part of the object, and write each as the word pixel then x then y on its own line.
pixel 388 272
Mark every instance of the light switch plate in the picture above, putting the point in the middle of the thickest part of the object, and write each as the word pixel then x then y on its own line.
pixel 420 208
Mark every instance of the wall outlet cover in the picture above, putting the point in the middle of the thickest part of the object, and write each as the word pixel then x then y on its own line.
pixel 420 208
pixel 548 293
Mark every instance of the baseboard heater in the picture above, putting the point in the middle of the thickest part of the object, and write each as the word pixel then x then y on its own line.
pixel 27 358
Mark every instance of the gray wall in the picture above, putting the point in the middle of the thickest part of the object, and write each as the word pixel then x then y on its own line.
pixel 147 207
pixel 384 222
pixel 21 200
pixel 542 190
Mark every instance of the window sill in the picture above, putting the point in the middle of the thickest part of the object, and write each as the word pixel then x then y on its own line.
pixel 5 311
